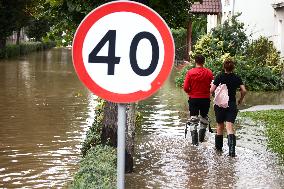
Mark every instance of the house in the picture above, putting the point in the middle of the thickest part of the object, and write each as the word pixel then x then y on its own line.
pixel 261 18
pixel 13 38
pixel 211 8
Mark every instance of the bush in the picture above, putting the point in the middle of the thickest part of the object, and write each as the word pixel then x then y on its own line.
pixel 229 37
pixel 258 78
pixel 97 169
pixel 26 48
pixel 257 63
pixel 181 75
pixel 98 165
pixel 93 136
pixel 263 53
pixel 12 50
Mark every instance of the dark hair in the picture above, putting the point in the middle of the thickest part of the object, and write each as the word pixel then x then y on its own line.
pixel 199 59
pixel 229 65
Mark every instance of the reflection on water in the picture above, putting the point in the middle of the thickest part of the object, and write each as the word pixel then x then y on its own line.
pixel 165 159
pixel 44 113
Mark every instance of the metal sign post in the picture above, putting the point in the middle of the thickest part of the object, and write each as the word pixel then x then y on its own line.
pixel 121 123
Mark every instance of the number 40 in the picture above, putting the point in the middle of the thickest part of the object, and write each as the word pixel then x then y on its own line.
pixel 111 59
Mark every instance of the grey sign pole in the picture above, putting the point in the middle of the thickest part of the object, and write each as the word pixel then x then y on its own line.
pixel 121 123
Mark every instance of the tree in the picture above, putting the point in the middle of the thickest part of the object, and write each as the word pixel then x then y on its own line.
pixel 14 14
pixel 38 28
pixel 7 20
pixel 23 15
pixel 68 14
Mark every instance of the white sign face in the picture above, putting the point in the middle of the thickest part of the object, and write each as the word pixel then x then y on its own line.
pixel 126 26
pixel 123 51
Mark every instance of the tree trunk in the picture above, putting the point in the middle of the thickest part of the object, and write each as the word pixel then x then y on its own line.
pixel 18 36
pixel 130 135
pixel 2 43
pixel 2 47
pixel 189 39
pixel 109 131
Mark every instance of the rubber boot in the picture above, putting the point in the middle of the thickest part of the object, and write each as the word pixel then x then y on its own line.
pixel 204 122
pixel 202 135
pixel 194 120
pixel 232 144
pixel 194 137
pixel 219 142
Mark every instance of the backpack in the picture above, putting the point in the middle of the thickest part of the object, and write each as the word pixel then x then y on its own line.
pixel 221 98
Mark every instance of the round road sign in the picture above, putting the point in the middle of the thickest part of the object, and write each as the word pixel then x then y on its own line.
pixel 123 51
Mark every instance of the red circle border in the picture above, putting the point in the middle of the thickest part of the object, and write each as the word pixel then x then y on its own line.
pixel 122 6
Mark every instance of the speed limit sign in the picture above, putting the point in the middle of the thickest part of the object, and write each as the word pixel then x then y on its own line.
pixel 123 51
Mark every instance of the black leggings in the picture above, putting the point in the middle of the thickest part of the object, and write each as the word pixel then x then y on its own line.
pixel 199 106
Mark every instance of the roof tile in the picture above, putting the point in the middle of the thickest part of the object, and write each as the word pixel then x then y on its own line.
pixel 207 7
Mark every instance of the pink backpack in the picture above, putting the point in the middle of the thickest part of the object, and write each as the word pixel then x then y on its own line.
pixel 221 98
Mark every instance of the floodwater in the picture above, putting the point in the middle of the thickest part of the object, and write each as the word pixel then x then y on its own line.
pixel 166 159
pixel 45 112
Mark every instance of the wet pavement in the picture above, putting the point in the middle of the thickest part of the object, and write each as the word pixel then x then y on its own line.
pixel 264 107
pixel 166 159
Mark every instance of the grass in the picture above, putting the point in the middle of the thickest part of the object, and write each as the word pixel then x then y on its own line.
pixel 98 164
pixel 274 122
pixel 13 50
pixel 97 169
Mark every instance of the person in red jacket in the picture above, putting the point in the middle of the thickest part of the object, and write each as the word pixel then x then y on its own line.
pixel 197 86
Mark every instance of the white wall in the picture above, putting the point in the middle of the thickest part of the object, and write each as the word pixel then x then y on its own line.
pixel 279 28
pixel 258 16
pixel 212 22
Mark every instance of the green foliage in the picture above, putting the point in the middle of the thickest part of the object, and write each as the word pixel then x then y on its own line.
pixel 26 48
pixel 175 13
pixel 199 26
pixel 11 51
pixel 263 53
pixel 38 28
pixel 229 37
pixel 14 14
pixel 179 36
pixel 181 75
pixel 98 165
pixel 273 120
pixel 67 15
pixel 97 169
pixel 93 136
pixel 257 63
pixel 258 78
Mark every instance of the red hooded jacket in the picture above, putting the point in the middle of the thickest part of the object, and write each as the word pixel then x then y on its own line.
pixel 197 82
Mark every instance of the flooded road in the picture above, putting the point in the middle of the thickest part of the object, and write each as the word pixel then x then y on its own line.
pixel 165 159
pixel 44 113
